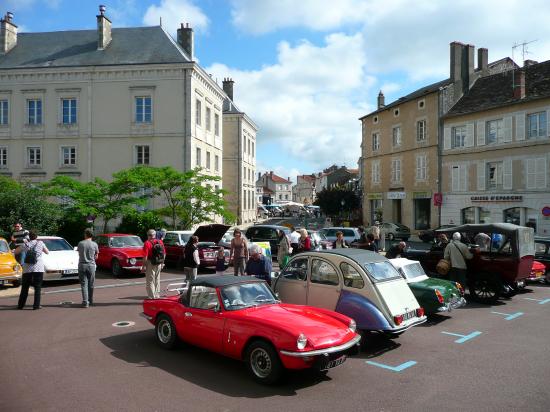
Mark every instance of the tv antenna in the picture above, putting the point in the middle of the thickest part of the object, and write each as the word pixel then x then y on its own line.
pixel 524 48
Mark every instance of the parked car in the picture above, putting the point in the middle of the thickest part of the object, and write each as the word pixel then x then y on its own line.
pixel 274 210
pixel 542 253
pixel 62 261
pixel 241 318
pixel 120 253
pixel 495 271
pixel 209 238
pixel 10 270
pixel 319 240
pixel 227 238
pixel 357 283
pixel 434 295
pixel 395 231
pixel 428 235
pixel 538 272
pixel 266 233
pixel 351 234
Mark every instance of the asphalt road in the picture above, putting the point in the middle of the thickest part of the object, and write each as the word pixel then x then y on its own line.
pixel 66 358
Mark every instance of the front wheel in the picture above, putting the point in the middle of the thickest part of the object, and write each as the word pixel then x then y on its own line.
pixel 263 363
pixel 166 332
pixel 484 290
pixel 116 269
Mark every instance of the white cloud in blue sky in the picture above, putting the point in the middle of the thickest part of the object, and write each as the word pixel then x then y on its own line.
pixel 174 12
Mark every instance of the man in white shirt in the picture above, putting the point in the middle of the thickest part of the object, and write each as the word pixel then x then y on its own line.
pixel 295 241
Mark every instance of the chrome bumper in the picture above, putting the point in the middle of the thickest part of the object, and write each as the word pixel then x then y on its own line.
pixel 12 277
pixel 332 349
pixel 450 306
pixel 399 330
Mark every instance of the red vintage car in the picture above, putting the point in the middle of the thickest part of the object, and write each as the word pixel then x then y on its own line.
pixel 120 253
pixel 537 272
pixel 241 318
pixel 209 237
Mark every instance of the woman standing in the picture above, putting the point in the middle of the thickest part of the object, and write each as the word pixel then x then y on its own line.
pixel 33 269
pixel 239 252
pixel 284 247
pixel 191 259
pixel 305 241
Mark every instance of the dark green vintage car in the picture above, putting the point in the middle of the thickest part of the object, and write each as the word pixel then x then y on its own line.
pixel 434 295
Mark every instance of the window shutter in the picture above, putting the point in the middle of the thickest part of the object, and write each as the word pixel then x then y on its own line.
pixel 520 126
pixel 481 175
pixel 530 174
pixel 540 172
pixel 480 133
pixel 447 138
pixel 463 178
pixel 507 129
pixel 469 135
pixel 455 178
pixel 507 174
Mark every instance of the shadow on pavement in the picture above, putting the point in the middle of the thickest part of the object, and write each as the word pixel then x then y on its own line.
pixel 375 344
pixel 200 367
pixel 434 319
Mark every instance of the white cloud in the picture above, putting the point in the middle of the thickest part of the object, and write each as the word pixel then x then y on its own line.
pixel 310 100
pixel 175 12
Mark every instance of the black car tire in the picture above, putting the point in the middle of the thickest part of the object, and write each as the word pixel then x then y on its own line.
pixel 116 268
pixel 16 283
pixel 165 331
pixel 513 291
pixel 484 289
pixel 263 363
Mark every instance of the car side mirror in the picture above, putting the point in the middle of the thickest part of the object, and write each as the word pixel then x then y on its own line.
pixel 215 306
pixel 75 248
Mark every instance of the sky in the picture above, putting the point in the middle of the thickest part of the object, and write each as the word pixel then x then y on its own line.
pixel 306 70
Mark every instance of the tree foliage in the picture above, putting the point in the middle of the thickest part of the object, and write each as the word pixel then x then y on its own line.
pixel 138 223
pixel 330 201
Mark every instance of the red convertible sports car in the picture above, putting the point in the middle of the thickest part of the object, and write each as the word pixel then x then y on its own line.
pixel 120 253
pixel 241 318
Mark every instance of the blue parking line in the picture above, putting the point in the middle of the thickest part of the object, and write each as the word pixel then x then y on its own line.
pixel 509 316
pixel 397 368
pixel 463 338
pixel 541 302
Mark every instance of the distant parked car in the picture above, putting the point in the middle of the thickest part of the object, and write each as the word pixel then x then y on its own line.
pixel 542 253
pixel 10 270
pixel 319 240
pixel 266 233
pixel 538 272
pixel 429 234
pixel 120 253
pixel 62 261
pixel 351 234
pixel 396 231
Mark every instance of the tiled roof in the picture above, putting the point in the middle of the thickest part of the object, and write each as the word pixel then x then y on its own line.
pixel 75 48
pixel 309 178
pixel 496 90
pixel 278 179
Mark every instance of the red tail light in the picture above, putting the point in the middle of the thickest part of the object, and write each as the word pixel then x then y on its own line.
pixel 420 312
pixel 460 288
pixel 439 296
pixel 398 319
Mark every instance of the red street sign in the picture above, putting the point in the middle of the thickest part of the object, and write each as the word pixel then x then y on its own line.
pixel 546 211
pixel 438 199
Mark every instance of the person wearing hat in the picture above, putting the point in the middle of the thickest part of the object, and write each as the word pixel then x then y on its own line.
pixel 375 230
pixel 457 253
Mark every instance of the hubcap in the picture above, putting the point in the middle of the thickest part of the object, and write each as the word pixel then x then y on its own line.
pixel 164 331
pixel 260 362
pixel 483 289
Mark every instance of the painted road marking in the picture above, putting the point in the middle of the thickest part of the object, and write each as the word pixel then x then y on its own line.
pixel 463 338
pixel 509 316
pixel 541 302
pixel 115 285
pixel 397 368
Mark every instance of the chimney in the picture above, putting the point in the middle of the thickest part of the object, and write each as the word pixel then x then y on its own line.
pixel 8 33
pixel 228 87
pixel 470 61
pixel 528 63
pixel 186 39
pixel 519 84
pixel 381 100
pixel 462 65
pixel 259 175
pixel 456 61
pixel 482 58
pixel 103 29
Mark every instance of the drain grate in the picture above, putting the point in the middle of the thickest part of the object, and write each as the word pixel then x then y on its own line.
pixel 66 303
pixel 123 324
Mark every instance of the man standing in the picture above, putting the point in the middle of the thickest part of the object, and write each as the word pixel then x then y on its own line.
pixel 396 250
pixel 258 265
pixel 154 252
pixel 457 253
pixel 87 255
pixel 294 241
pixel 375 230
pixel 191 258
pixel 19 237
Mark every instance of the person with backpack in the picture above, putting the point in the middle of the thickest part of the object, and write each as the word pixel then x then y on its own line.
pixel 33 269
pixel 154 254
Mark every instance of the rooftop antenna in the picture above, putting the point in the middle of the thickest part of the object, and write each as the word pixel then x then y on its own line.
pixel 524 52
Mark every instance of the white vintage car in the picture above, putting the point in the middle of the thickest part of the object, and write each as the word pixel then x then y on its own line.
pixel 357 283
pixel 62 261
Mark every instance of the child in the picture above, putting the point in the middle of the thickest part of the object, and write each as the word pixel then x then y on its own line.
pixel 220 261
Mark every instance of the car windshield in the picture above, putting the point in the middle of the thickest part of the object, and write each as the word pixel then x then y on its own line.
pixel 125 241
pixel 245 295
pixel 4 246
pixel 381 271
pixel 414 270
pixel 55 245
pixel 184 238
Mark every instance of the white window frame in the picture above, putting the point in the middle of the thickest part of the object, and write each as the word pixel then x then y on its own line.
pixel 4 157
pixel 459 132
pixel 141 117
pixel 421 167
pixel 4 112
pixel 375 172
pixel 62 113
pixel 216 124
pixel 137 155
pixel 541 126
pixel 396 170
pixel 208 120
pixel 72 156
pixel 375 141
pixel 30 153
pixel 35 121
pixel 396 136
pixel 495 183
pixel 421 130
pixel 499 131
pixel 198 112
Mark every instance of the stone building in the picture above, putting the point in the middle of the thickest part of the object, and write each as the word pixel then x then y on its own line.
pixel 304 189
pixel 275 188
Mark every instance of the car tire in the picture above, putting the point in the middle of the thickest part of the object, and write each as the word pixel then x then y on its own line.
pixel 511 292
pixel 391 236
pixel 484 289
pixel 116 268
pixel 263 363
pixel 16 283
pixel 165 331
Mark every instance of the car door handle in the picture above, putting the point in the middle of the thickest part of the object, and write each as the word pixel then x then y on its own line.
pixel 188 314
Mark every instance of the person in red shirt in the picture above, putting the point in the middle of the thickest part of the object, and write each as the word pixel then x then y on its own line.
pixel 305 241
pixel 153 264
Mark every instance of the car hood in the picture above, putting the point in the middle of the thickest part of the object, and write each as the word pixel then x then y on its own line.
pixel 7 259
pixel 130 252
pixel 320 329
pixel 211 233
pixel 61 259
pixel 432 284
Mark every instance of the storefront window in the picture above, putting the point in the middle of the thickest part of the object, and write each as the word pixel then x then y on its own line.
pixel 512 215
pixel 531 219
pixel 422 213
pixel 468 215
pixel 484 215
pixel 375 210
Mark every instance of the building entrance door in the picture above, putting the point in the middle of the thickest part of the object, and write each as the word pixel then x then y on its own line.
pixel 396 210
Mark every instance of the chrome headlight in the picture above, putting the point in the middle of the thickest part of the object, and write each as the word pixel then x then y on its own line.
pixel 352 325
pixel 132 261
pixel 17 267
pixel 301 341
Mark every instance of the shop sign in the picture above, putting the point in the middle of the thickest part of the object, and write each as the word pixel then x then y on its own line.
pixel 497 198
pixel 438 199
pixel 422 195
pixel 375 196
pixel 396 195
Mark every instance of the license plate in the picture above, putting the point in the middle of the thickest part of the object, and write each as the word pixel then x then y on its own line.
pixel 69 272
pixel 208 255
pixel 335 362
pixel 409 315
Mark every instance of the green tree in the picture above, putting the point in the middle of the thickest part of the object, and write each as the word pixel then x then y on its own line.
pixel 337 200
pixel 138 223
